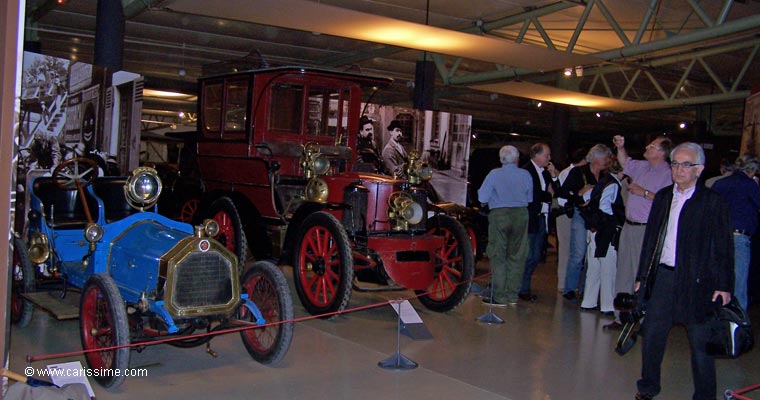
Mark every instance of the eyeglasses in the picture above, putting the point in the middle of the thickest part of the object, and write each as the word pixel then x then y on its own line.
pixel 685 164
pixel 653 146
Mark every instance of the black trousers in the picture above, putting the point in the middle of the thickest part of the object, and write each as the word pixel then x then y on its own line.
pixel 654 333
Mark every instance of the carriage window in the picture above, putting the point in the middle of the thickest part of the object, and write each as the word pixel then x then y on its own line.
pixel 212 107
pixel 235 112
pixel 286 109
pixel 323 112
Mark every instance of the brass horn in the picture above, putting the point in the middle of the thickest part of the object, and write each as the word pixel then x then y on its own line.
pixel 39 248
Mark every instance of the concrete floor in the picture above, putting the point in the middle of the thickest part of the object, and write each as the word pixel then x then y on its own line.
pixel 545 350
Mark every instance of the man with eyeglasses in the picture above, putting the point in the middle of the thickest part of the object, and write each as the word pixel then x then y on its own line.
pixel 687 262
pixel 648 176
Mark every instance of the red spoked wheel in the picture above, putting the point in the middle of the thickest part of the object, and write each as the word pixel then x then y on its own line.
pixel 22 310
pixel 454 266
pixel 267 288
pixel 323 267
pixel 103 324
pixel 188 209
pixel 231 235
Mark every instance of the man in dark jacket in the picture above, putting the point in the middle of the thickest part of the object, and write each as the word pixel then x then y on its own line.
pixel 544 184
pixel 686 265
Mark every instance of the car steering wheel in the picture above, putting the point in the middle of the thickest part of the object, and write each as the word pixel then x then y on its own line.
pixel 75 173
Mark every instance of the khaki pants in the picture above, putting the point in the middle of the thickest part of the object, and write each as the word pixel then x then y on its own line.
pixel 507 250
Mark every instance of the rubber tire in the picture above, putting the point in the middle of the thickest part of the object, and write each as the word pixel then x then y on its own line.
pixel 101 291
pixel 22 310
pixel 225 213
pixel 343 277
pixel 267 288
pixel 453 279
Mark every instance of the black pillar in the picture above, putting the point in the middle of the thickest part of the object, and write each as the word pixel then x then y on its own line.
pixel 109 35
pixel 560 134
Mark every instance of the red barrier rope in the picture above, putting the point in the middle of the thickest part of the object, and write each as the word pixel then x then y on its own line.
pixel 249 325
pixel 735 393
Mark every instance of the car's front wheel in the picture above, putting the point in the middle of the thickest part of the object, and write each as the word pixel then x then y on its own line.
pixel 323 266
pixel 267 288
pixel 103 324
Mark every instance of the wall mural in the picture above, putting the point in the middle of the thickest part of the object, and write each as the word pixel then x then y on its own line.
pixel 442 139
pixel 72 109
pixel 751 130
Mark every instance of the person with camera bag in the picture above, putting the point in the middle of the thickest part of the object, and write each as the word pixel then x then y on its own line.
pixel 606 201
pixel 648 176
pixel 686 264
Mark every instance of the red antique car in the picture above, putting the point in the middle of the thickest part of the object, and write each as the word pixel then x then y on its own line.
pixel 276 151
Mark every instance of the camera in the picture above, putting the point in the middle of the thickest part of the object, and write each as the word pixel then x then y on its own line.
pixel 631 315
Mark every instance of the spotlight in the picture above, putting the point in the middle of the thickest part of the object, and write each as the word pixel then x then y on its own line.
pixel 682 125
pixel 598 115
pixel 568 72
pixel 539 104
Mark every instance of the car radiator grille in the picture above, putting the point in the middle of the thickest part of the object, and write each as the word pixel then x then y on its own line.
pixel 201 280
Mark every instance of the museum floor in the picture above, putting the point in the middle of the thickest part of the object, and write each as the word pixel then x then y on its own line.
pixel 545 350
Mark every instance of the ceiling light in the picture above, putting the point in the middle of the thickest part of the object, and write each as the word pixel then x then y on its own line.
pixel 168 95
pixel 539 104
pixel 182 72
pixel 598 115
pixel 568 72
pixel 682 125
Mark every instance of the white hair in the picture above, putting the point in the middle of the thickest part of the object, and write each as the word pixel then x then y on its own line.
pixel 508 154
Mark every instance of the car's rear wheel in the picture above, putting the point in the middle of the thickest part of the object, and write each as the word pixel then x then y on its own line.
pixel 454 266
pixel 323 267
pixel 188 209
pixel 22 310
pixel 267 288
pixel 103 324
pixel 231 234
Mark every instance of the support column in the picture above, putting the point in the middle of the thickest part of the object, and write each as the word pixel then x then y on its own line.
pixel 560 134
pixel 109 35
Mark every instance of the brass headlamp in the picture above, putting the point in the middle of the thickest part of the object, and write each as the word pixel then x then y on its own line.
pixel 417 170
pixel 315 164
pixel 403 211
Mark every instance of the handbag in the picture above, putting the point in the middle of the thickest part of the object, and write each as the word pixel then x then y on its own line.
pixel 730 331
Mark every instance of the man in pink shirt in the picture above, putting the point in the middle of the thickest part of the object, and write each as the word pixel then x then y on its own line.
pixel 648 177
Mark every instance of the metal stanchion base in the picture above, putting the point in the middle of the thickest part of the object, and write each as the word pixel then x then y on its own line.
pixel 490 318
pixel 397 362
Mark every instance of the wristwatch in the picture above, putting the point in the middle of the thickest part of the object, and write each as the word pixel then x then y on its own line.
pixel 646 194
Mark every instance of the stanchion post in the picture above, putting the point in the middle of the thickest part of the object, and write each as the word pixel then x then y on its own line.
pixel 398 361
pixel 489 317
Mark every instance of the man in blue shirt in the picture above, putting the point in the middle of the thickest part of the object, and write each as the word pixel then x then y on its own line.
pixel 507 192
pixel 743 197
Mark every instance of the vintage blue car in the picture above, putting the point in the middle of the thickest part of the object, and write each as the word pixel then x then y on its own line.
pixel 141 276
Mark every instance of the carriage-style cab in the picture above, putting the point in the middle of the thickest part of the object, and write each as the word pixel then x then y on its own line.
pixel 277 151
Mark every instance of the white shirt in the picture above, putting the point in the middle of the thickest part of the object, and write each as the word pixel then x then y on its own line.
pixel 544 206
pixel 562 176
pixel 668 255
